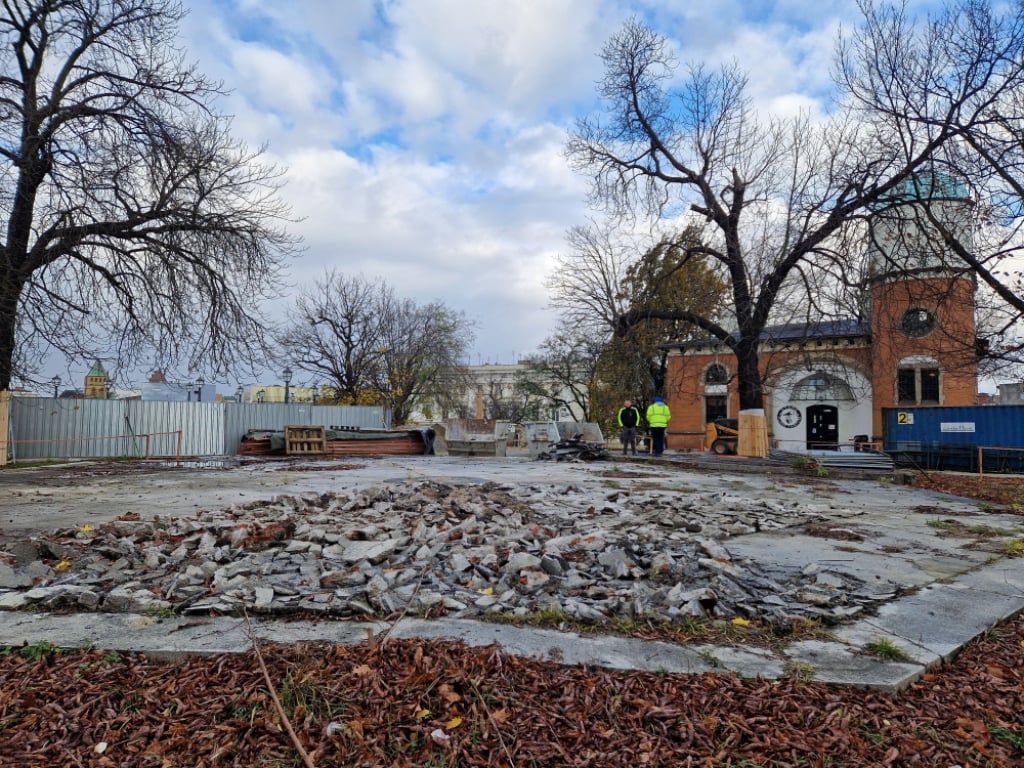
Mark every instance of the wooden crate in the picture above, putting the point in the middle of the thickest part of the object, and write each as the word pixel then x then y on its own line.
pixel 300 441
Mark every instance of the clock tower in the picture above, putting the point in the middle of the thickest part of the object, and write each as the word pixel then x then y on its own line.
pixel 922 298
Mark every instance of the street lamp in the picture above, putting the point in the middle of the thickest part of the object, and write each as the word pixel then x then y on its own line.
pixel 316 393
pixel 55 381
pixel 260 395
pixel 286 374
pixel 238 394
pixel 199 389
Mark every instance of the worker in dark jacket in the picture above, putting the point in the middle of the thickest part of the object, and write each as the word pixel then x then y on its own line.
pixel 658 416
pixel 629 420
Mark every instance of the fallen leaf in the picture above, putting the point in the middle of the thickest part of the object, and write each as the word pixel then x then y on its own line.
pixel 440 737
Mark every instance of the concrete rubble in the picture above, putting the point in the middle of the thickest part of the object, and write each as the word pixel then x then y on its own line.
pixel 430 549
pixel 441 546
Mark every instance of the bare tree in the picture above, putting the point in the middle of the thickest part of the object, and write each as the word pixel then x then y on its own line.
pixel 563 374
pixel 422 347
pixel 961 74
pixel 132 219
pixel 374 347
pixel 514 399
pixel 335 331
pixel 774 198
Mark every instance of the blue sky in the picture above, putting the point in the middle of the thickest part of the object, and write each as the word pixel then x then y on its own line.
pixel 423 139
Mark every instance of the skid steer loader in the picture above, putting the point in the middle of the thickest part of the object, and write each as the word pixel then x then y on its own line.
pixel 722 436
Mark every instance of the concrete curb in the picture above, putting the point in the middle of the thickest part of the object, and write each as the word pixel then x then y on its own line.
pixel 929 626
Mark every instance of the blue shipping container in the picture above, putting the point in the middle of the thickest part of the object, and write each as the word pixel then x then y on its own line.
pixel 948 437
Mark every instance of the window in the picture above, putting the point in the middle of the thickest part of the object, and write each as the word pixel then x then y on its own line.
pixel 918 386
pixel 715 407
pixel 716 374
pixel 906 386
pixel 929 385
pixel 821 386
pixel 917 322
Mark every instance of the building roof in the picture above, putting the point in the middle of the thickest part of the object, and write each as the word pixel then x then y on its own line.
pixel 848 328
pixel 97 370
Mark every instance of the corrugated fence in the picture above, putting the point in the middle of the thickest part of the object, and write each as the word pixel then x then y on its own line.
pixel 46 427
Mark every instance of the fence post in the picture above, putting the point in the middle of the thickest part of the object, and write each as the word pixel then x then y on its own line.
pixel 5 424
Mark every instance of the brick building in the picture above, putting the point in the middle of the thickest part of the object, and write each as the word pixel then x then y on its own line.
pixel 827 382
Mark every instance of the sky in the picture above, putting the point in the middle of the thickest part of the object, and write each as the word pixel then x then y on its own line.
pixel 423 140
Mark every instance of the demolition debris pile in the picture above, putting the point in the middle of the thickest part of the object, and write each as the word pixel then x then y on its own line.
pixel 431 548
pixel 575 448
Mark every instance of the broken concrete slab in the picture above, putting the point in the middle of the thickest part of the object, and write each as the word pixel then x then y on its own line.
pixel 828 662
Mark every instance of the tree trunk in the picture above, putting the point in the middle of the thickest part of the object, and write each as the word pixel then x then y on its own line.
pixel 753 428
pixel 9 296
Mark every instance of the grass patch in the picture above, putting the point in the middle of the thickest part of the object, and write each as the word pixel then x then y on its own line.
pixel 886 649
pixel 1013 737
pixel 956 528
pixel 799 670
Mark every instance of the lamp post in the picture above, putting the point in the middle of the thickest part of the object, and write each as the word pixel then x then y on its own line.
pixel 199 389
pixel 316 393
pixel 55 381
pixel 238 394
pixel 260 395
pixel 286 374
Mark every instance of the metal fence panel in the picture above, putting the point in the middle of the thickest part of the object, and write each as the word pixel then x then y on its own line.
pixel 46 427
pixel 201 426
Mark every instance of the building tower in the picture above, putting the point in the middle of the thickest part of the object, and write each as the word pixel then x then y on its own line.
pixel 922 298
pixel 96 382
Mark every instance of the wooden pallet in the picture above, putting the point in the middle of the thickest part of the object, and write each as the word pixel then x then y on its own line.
pixel 299 441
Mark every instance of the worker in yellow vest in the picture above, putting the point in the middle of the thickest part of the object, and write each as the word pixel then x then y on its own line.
pixel 658 416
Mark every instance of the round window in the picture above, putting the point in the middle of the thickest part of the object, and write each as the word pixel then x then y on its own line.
pixel 917 322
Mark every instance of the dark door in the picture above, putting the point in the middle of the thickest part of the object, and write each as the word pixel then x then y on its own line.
pixel 822 427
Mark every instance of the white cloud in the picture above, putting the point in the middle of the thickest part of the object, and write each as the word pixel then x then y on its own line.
pixel 424 138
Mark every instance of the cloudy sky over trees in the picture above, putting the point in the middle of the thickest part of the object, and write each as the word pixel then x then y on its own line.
pixel 424 139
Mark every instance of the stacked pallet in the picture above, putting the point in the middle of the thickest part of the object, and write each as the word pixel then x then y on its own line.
pixel 305 441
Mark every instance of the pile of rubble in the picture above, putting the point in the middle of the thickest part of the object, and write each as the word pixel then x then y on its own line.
pixel 574 448
pixel 430 548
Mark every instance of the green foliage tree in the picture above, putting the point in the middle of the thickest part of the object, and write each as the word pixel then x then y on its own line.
pixel 667 276
pixel 601 279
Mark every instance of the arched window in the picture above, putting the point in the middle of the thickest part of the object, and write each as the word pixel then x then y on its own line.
pixel 716 374
pixel 821 386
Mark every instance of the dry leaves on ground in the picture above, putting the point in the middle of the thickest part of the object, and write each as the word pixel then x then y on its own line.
pixel 430 703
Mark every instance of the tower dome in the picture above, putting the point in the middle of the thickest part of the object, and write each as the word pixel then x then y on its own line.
pixel 910 229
